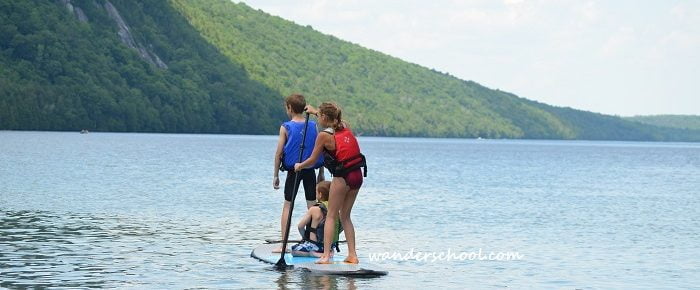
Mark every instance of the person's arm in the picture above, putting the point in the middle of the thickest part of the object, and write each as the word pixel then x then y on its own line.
pixel 321 141
pixel 278 155
pixel 303 222
pixel 321 172
pixel 311 110
pixel 321 175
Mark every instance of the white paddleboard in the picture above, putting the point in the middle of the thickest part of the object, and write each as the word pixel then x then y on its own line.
pixel 338 267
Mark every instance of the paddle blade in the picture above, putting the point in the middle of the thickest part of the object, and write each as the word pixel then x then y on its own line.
pixel 281 265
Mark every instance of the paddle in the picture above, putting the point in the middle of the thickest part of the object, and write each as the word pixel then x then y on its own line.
pixel 281 263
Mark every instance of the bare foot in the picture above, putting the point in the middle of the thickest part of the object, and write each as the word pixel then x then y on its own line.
pixel 323 260
pixel 352 260
pixel 279 250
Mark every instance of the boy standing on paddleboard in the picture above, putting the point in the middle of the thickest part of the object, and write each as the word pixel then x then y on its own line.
pixel 288 146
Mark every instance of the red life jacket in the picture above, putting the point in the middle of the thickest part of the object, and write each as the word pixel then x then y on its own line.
pixel 347 156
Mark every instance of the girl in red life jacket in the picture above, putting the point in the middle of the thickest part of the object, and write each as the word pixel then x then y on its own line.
pixel 338 142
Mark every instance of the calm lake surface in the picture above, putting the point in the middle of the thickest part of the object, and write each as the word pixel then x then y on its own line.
pixel 180 211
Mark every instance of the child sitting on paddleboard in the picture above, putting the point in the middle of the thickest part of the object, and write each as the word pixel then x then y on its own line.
pixel 288 145
pixel 311 225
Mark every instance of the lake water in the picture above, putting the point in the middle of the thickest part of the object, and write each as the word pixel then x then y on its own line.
pixel 180 211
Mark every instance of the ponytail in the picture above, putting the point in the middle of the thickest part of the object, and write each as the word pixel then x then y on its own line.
pixel 333 113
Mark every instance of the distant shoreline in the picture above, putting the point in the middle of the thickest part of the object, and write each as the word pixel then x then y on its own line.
pixel 363 136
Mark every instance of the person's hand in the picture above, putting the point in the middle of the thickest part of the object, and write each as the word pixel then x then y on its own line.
pixel 297 167
pixel 311 110
pixel 276 182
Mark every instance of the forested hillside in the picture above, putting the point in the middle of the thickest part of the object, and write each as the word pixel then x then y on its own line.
pixel 386 96
pixel 220 67
pixel 381 95
pixel 672 121
pixel 64 66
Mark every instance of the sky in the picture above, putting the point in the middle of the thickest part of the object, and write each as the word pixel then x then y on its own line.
pixel 618 57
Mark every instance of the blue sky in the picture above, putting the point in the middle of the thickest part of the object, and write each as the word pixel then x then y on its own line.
pixel 615 57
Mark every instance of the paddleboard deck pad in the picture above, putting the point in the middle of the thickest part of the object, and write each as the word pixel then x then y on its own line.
pixel 338 267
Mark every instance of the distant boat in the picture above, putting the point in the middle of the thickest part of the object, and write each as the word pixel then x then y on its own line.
pixel 84 131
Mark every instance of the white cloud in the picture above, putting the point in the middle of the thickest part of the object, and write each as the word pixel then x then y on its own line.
pixel 589 11
pixel 619 42
pixel 513 2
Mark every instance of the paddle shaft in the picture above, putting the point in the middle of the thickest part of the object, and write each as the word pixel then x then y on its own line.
pixel 281 262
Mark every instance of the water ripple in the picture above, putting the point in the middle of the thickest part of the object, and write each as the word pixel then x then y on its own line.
pixel 184 211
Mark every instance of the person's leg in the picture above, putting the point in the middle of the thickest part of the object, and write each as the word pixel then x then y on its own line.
pixel 305 249
pixel 283 224
pixel 354 182
pixel 308 176
pixel 335 202
pixel 288 194
pixel 348 227
pixel 296 253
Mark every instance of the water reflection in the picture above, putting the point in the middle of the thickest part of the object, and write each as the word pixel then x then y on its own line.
pixel 45 249
pixel 292 279
pixel 329 282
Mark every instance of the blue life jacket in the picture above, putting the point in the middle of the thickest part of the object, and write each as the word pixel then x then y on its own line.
pixel 290 154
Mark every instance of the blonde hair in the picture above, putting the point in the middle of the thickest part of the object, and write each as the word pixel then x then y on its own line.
pixel 333 113
pixel 324 187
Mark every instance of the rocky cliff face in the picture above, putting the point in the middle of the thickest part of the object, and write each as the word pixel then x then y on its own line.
pixel 128 39
pixel 124 31
pixel 76 11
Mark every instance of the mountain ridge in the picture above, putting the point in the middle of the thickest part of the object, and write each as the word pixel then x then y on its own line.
pixel 440 105
pixel 226 67
pixel 691 122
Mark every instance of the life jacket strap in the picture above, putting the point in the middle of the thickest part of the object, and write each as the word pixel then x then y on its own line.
pixel 361 164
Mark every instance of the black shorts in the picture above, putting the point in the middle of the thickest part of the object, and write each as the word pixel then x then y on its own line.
pixel 308 176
